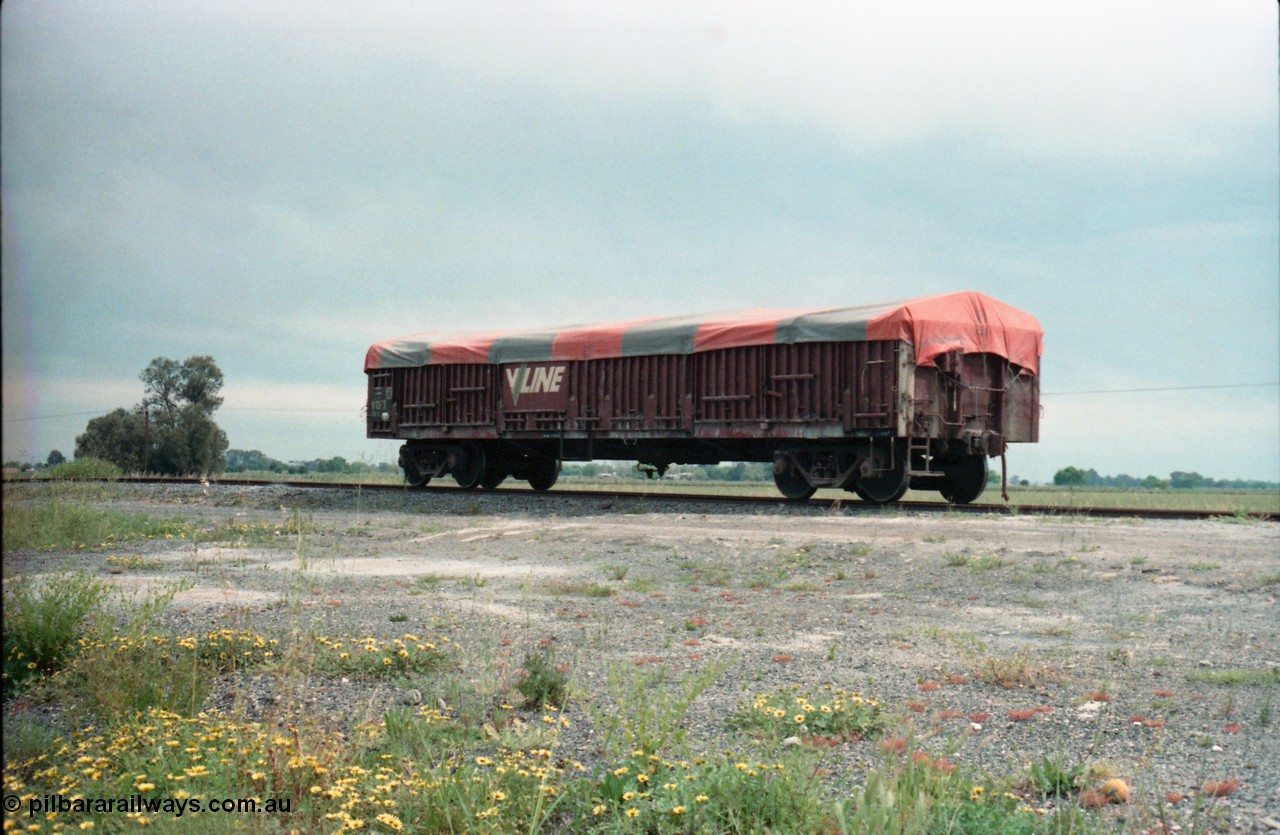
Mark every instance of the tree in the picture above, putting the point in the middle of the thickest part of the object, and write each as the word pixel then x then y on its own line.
pixel 242 460
pixel 175 416
pixel 1186 481
pixel 55 458
pixel 173 386
pixel 1070 477
pixel 115 437
pixel 194 444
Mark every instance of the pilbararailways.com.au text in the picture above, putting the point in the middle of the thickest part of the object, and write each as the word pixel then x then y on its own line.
pixel 141 804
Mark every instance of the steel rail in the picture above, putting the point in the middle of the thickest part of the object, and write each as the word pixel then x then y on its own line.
pixel 851 504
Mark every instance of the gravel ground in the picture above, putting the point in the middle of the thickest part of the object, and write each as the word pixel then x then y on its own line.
pixel 1126 633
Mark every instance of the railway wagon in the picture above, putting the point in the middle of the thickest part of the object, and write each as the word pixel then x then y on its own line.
pixel 871 399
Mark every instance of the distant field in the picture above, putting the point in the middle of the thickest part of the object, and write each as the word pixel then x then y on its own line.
pixel 1227 501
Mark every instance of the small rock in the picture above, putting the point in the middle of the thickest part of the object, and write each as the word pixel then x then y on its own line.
pixel 791 740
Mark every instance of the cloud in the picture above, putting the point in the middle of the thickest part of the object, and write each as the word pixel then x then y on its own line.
pixel 1144 79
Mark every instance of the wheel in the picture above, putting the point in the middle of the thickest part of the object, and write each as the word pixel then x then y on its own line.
pixel 888 486
pixel 543 474
pixel 413 477
pixel 494 474
pixel 792 483
pixel 874 497
pixel 965 479
pixel 470 470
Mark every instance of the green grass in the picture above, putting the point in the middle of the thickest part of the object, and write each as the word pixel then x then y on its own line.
pixel 70 525
pixel 1236 677
pixel 1233 504
pixel 71 517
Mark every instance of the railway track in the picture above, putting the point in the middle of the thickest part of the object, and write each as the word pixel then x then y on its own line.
pixel 850 504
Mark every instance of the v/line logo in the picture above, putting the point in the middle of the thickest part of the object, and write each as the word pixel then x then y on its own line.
pixel 544 379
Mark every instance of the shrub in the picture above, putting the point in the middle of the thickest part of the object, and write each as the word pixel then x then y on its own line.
pixel 84 468
pixel 543 684
pixel 646 713
pixel 828 713
pixel 43 620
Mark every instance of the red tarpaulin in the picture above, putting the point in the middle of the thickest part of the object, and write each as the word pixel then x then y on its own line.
pixel 967 322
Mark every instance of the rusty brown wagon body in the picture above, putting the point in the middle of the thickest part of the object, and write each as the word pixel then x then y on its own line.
pixel 871 399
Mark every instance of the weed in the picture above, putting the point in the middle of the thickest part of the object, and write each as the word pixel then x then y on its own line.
pixel 1018 670
pixel 1051 778
pixel 83 468
pixel 1057 632
pixel 58 524
pixel 26 735
pixel 1266 581
pixel 1236 677
pixel 642 714
pixel 1240 516
pixel 43 621
pixel 828 713
pixel 641 585
pixel 963 640
pixel 616 571
pixel 543 683
pixel 132 562
pixel 914 791
pixel 363 656
pixel 583 587
pixel 706 573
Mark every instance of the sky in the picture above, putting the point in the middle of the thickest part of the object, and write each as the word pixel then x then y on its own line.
pixel 281 184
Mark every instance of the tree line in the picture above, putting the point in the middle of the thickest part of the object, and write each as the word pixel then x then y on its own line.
pixel 255 461
pixel 1177 480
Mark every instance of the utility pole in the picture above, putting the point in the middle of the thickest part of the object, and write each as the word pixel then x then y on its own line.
pixel 146 440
